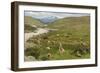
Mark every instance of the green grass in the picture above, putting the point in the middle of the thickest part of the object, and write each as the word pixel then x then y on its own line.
pixel 72 33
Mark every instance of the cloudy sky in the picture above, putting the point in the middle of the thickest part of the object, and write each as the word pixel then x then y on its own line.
pixel 41 14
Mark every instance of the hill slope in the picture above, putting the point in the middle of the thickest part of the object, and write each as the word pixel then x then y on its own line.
pixel 71 34
pixel 31 21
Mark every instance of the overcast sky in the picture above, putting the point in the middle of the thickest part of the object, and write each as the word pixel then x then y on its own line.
pixel 40 14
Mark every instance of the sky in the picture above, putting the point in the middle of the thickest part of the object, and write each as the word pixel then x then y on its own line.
pixel 41 14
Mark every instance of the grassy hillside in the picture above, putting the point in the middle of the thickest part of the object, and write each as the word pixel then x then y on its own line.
pixel 31 21
pixel 71 22
pixel 75 29
pixel 72 34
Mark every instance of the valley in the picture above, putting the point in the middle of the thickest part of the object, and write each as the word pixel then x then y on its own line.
pixel 62 39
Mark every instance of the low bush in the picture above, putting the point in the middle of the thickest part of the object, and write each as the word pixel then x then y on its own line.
pixel 44 58
pixel 32 51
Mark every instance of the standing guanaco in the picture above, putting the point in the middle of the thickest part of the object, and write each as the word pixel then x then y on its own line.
pixel 61 49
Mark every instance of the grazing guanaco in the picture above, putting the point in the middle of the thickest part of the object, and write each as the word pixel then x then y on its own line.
pixel 49 55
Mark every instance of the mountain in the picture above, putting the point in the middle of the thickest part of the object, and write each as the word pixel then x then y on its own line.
pixel 48 19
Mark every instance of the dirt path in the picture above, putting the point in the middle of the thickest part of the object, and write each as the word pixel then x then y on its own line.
pixel 37 32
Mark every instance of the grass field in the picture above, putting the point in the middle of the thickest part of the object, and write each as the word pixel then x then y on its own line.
pixel 67 38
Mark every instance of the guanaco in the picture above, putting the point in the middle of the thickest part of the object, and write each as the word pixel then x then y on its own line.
pixel 61 49
pixel 49 55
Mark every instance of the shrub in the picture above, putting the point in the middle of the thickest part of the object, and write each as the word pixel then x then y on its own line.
pixel 30 58
pixel 44 58
pixel 32 51
pixel 29 28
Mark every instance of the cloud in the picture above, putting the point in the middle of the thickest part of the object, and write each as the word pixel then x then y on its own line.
pixel 41 14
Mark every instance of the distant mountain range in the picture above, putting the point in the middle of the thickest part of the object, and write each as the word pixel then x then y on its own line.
pixel 46 19
pixel 54 20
